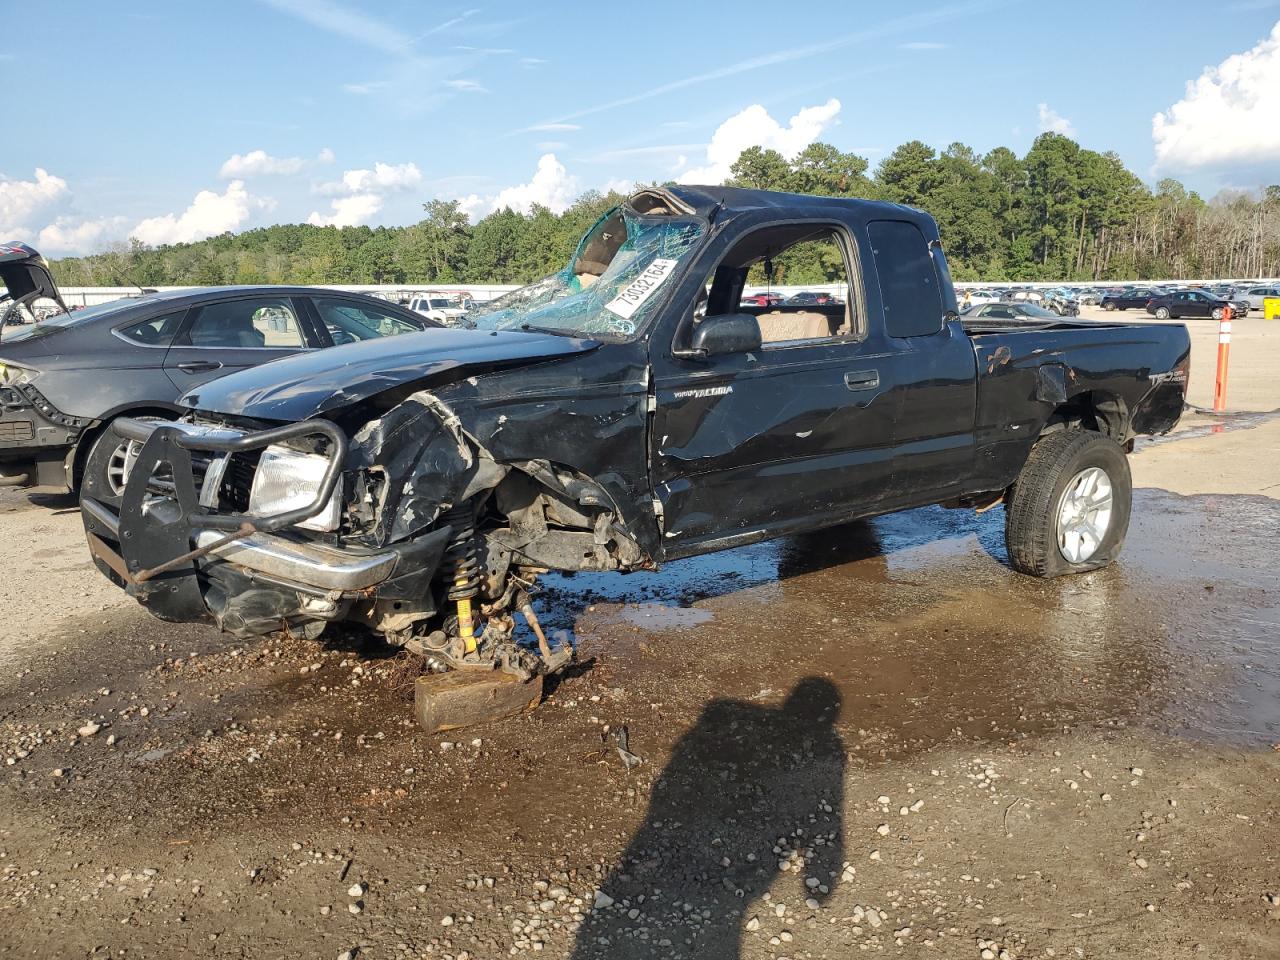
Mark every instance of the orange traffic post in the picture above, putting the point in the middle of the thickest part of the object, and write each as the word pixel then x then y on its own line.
pixel 1224 348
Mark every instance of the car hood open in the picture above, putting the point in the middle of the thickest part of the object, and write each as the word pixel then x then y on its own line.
pixel 325 381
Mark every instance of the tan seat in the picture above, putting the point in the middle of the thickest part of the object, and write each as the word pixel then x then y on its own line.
pixel 779 325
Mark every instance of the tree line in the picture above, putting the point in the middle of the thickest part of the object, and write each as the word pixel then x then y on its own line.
pixel 1061 212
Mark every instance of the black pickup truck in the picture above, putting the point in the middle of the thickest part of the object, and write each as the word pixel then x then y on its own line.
pixel 623 412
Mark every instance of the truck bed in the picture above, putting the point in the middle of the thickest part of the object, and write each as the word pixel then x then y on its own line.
pixel 976 327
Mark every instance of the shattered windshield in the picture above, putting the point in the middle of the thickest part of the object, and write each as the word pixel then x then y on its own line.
pixel 622 265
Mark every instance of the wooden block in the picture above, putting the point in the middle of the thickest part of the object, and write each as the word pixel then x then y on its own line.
pixel 461 698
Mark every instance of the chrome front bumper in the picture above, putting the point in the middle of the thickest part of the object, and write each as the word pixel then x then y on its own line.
pixel 308 565
pixel 187 561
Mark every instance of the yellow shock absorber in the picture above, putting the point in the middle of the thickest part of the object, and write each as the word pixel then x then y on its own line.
pixel 466 625
pixel 462 556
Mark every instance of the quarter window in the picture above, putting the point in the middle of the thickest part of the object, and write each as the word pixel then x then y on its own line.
pixel 155 331
pixel 258 322
pixel 908 283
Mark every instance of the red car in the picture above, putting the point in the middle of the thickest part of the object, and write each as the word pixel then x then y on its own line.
pixel 761 300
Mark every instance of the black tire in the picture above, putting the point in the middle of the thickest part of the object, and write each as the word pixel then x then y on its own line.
pixel 1162 313
pixel 1036 502
pixel 103 468
pixel 1108 306
pixel 1216 313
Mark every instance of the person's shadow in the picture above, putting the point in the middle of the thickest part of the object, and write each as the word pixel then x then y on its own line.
pixel 746 779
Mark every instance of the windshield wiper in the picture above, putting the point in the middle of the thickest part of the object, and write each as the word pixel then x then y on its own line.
pixel 531 328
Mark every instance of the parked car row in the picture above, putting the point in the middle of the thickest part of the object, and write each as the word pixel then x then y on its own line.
pixel 805 298
pixel 1243 297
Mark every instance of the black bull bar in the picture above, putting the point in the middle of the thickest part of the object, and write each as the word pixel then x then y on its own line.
pixel 156 562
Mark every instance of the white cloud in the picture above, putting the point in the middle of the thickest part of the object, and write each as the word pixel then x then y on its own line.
pixel 466 86
pixel 1227 116
pixel 451 22
pixel 1051 122
pixel 552 127
pixel 360 194
pixel 325 156
pixel 550 186
pixel 348 211
pixel 209 215
pixel 357 26
pixel 754 127
pixel 383 178
pixel 366 88
pixel 922 45
pixel 22 200
pixel 259 163
pixel 70 235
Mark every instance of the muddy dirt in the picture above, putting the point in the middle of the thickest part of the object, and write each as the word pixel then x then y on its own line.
pixel 875 739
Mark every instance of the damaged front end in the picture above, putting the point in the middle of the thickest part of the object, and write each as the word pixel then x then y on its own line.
pixel 415 488
pixel 410 529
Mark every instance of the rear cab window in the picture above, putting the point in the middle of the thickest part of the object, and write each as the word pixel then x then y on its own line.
pixel 909 287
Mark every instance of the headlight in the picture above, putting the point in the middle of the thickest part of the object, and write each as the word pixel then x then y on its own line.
pixel 289 480
pixel 11 374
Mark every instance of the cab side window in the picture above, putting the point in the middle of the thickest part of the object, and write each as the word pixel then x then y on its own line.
pixel 908 283
pixel 809 262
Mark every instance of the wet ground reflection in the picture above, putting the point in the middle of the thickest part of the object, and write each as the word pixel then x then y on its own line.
pixel 928 632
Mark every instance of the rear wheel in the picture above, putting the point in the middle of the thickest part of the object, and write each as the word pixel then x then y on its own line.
pixel 1109 306
pixel 1162 313
pixel 1068 511
pixel 1217 313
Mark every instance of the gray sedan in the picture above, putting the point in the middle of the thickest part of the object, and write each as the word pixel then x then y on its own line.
pixel 63 380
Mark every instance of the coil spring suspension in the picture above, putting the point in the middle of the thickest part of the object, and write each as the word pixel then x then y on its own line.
pixel 462 566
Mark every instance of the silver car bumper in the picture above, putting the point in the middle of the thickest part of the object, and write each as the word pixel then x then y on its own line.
pixel 309 565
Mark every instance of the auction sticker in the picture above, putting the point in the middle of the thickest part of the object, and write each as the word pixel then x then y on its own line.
pixel 634 294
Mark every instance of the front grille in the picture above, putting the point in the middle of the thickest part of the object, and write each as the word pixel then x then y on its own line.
pixel 237 478
pixel 16 430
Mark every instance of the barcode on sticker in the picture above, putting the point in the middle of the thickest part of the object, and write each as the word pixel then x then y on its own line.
pixel 634 294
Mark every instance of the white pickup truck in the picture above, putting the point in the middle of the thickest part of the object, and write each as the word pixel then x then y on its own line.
pixel 446 308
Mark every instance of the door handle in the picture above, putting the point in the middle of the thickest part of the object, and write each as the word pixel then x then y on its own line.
pixel 862 379
pixel 199 366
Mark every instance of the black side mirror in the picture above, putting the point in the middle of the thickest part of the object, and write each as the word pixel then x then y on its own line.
pixel 725 333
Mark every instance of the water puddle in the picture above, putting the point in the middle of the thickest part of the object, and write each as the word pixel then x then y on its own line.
pixel 927 632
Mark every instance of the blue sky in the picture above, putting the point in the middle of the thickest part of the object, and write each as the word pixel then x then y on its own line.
pixel 168 121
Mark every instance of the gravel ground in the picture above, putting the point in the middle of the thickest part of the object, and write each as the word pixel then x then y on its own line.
pixel 878 739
